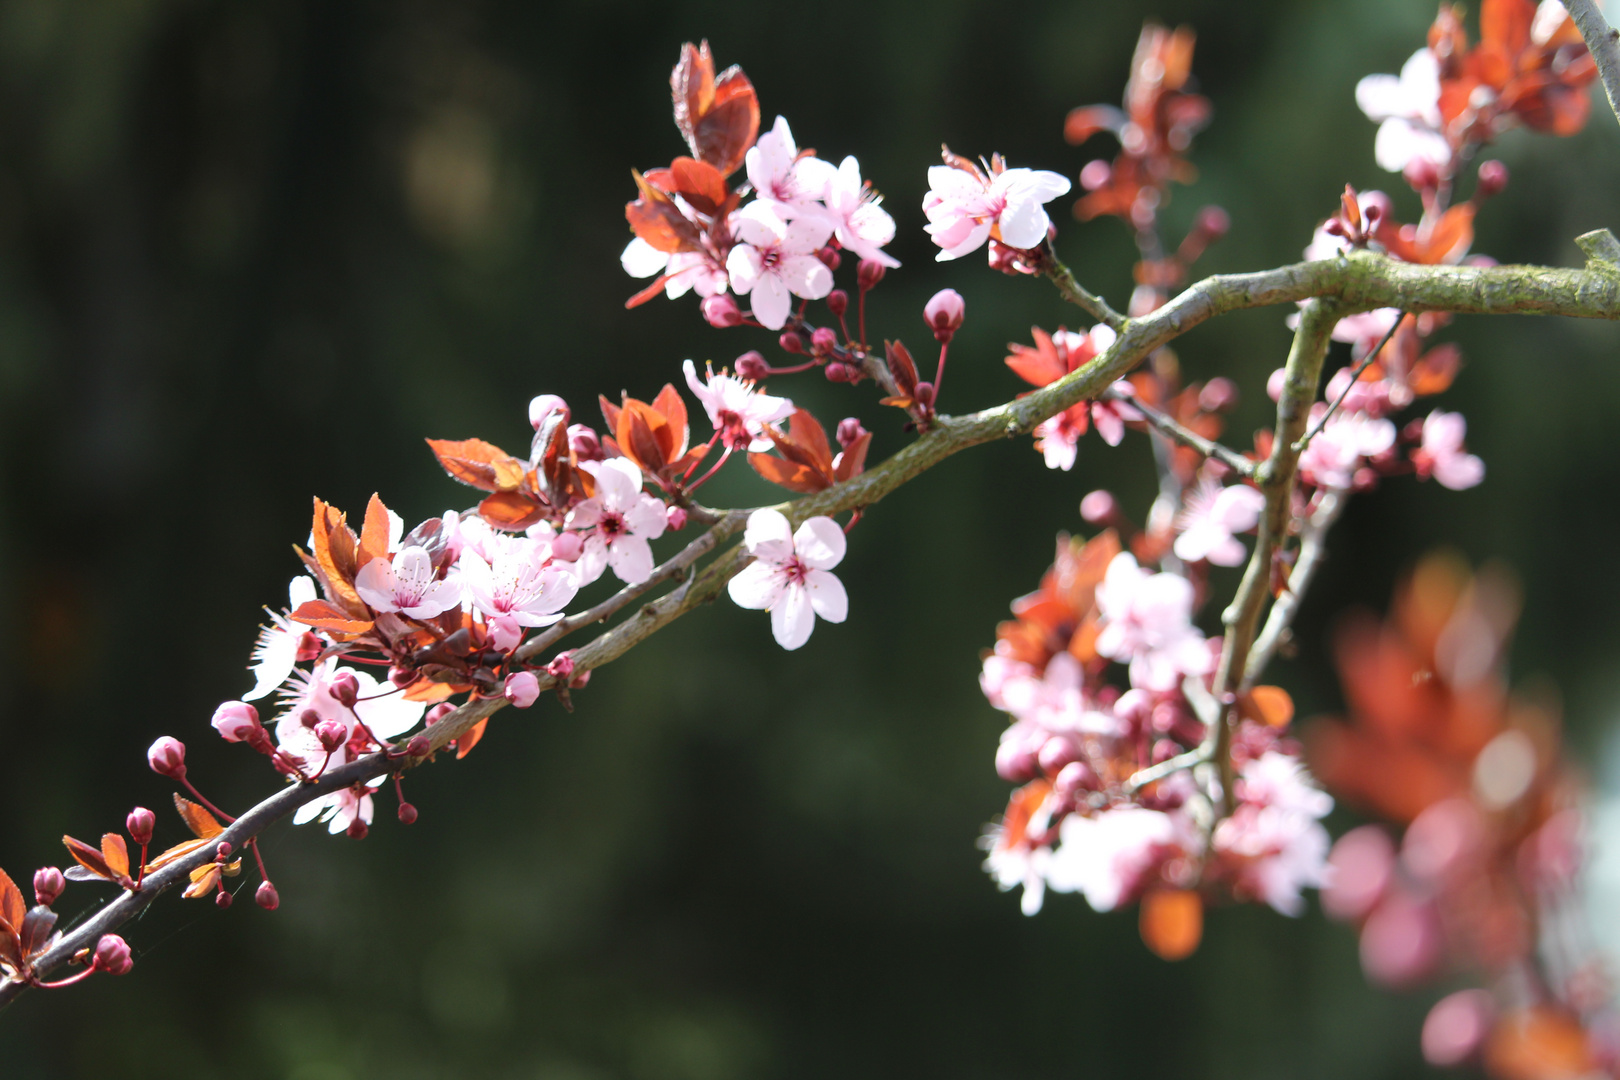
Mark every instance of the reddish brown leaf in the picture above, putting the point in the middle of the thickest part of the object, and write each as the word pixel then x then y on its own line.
pixel 731 124
pixel 115 853
pixel 325 616
pixel 673 407
pixel 336 552
pixel 511 510
pixel 12 905
pixel 852 462
pixel 644 435
pixel 699 183
pixel 788 474
pixel 474 462
pixel 179 851
pixel 465 743
pixel 901 367
pixel 203 825
pixel 691 85
pixel 374 534
pixel 89 858
pixel 659 222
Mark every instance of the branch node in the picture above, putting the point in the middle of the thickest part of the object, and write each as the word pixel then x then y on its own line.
pixel 1602 251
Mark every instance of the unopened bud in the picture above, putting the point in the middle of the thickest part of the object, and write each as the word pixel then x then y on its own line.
pixel 830 257
pixel 567 547
pixel 944 313
pixel 869 272
pixel 1074 778
pixel 407 814
pixel 357 830
pixel 837 372
pixel 1493 177
pixel 345 689
pixel 838 303
pixel 1422 174
pixel 1335 227
pixel 1057 752
pixel 332 734
pixel 675 518
pixel 112 955
pixel 522 689
pixel 401 676
pixel 1218 395
pixel 752 366
pixel 223 851
pixel 1275 383
pixel 419 746
pixel 849 429
pixel 924 394
pixel 48 885
pixel 1015 761
pixel 1376 205
pixel 823 340
pixel 580 681
pixel 235 721
pixel 267 897
pixel 310 647
pixel 309 718
pixel 439 712
pixel 543 406
pixel 167 757
pixel 721 311
pixel 584 442
pixel 1213 222
pixel 140 822
pixel 561 666
pixel 1099 507
pixel 222 898
pixel 791 341
pixel 1096 174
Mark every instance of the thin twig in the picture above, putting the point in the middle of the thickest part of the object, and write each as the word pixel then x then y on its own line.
pixel 1603 41
pixel 1312 547
pixel 1355 377
pixel 1077 294
pixel 1165 423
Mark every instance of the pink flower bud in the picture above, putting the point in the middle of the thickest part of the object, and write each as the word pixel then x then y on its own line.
pixel 721 311
pixel 1073 779
pixel 838 303
pixel 48 885
pixel 752 366
pixel 140 822
pixel 1335 227
pixel 267 897
pixel 309 718
pixel 924 394
pixel 945 313
pixel 791 341
pixel 310 647
pixel 407 814
pixel 1376 204
pixel 235 721
pixel 1096 174
pixel 1422 174
pixel 357 830
pixel 419 746
pixel 439 712
pixel 675 518
pixel 869 272
pixel 222 898
pixel 1218 395
pixel 522 689
pixel 1456 1027
pixel 345 689
pixel 584 442
pixel 401 676
pixel 1057 752
pixel 1493 177
pixel 580 681
pixel 543 406
pixel 849 429
pixel 830 257
pixel 837 372
pixel 1275 383
pixel 112 956
pixel 561 666
pixel 1099 507
pixel 167 757
pixel 823 340
pixel 223 851
pixel 1015 761
pixel 332 734
pixel 567 547
pixel 1213 222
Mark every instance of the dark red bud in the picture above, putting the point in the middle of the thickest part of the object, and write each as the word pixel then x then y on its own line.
pixel 752 366
pixel 167 757
pixel 309 718
pixel 584 442
pixel 112 955
pixel 849 429
pixel 223 851
pixel 824 340
pixel 924 394
pixel 561 666
pixel 869 272
pixel 439 712
pixel 837 372
pixel 1493 177
pixel 357 829
pixel 345 689
pixel 838 303
pixel 791 341
pixel 1334 227
pixel 407 814
pixel 48 885
pixel 267 897
pixel 332 734
pixel 830 257
pixel 401 676
pixel 140 822
pixel 419 746
pixel 222 898
pixel 721 311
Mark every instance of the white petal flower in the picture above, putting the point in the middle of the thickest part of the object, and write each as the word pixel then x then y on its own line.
pixel 789 575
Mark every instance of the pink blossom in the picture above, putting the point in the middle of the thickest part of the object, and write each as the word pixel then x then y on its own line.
pixel 1147 621
pixel 408 584
pixel 522 689
pixel 1442 455
pixel 1058 437
pixel 860 224
pixel 1335 452
pixel 1274 836
pixel 1407 110
pixel 341 809
pixel 167 757
pixel 736 409
pixel 1210 518
pixel 789 575
pixel 944 313
pixel 964 210
pixel 1056 702
pixel 1014 863
pixel 1326 245
pixel 784 180
pixel 686 271
pixel 1107 857
pixel 513 584
pixel 316 696
pixel 621 519
pixel 1111 416
pixel 236 721
pixel 276 651
pixel 775 259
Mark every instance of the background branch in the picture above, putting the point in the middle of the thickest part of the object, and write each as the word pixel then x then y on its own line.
pixel 1604 42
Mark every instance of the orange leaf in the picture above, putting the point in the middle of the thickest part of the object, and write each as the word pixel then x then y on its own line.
pixel 1271 705
pixel 465 743
pixel 472 461
pixel 1172 923
pixel 374 534
pixel 324 616
pixel 179 851
pixel 901 366
pixel 669 403
pixel 788 474
pixel 852 462
pixel 88 857
pixel 511 510
pixel 656 219
pixel 115 854
pixel 12 905
pixel 335 553
pixel 642 434
pixel 203 825
pixel 427 690
pixel 699 183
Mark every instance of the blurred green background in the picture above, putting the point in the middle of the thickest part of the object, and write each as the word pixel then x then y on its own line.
pixel 254 252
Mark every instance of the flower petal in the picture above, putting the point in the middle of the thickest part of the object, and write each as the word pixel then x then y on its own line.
pixel 827 596
pixel 756 587
pixel 792 618
pixel 820 543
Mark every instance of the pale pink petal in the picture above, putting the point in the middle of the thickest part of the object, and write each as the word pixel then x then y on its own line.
pixel 792 618
pixel 744 265
pixel 1024 224
pixel 767 526
pixel 647 518
pixel 805 276
pixel 770 300
pixel 756 587
pixel 631 559
pixel 827 596
pixel 375 584
pixel 820 543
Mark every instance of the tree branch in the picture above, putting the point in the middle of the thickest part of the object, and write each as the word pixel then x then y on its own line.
pixel 1603 41
pixel 1312 547
pixel 1165 423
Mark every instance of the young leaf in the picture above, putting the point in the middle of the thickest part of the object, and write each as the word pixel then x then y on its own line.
pixel 324 616
pixel 203 825
pixel 374 534
pixel 12 905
